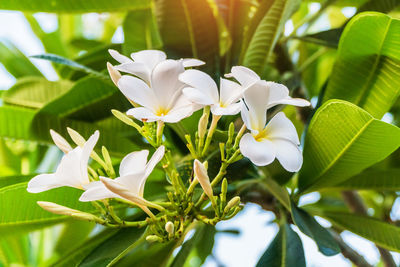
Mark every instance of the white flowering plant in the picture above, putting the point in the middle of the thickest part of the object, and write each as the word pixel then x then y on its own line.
pixel 146 143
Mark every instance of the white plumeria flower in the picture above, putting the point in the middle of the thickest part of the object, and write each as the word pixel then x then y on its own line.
pixel 204 91
pixel 265 143
pixel 161 99
pixel 72 170
pixel 134 170
pixel 277 93
pixel 143 62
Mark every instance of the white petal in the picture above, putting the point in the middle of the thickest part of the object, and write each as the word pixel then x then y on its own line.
pixel 118 57
pixel 155 159
pixel 197 96
pixel 114 73
pixel 43 182
pixel 244 112
pixel 96 191
pixel 133 162
pixel 70 170
pixel 229 91
pixel 178 113
pixel 244 76
pixel 256 98
pixel 291 101
pixel 192 62
pixel 122 191
pixel 136 68
pixel 137 91
pixel 86 151
pixel 202 82
pixel 288 154
pixel 260 153
pixel 143 114
pixel 232 109
pixel 165 83
pixel 281 127
pixel 60 142
pixel 133 182
pixel 149 57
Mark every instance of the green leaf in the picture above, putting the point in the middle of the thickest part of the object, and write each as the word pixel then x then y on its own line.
pixel 74 5
pixel 370 179
pixel 278 191
pixel 70 63
pixel 75 256
pixel 140 31
pixel 383 6
pixel 381 233
pixel 267 33
pixel 20 212
pixel 114 247
pixel 310 227
pixel 15 62
pixel 328 38
pixel 368 64
pixel 34 92
pixel 25 124
pixel 342 140
pixel 15 179
pixel 202 240
pixel 189 29
pixel 285 250
pixel 89 99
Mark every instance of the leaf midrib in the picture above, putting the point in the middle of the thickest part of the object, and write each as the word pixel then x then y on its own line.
pixel 362 97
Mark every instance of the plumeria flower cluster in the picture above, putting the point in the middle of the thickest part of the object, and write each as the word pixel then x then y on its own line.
pixel 163 91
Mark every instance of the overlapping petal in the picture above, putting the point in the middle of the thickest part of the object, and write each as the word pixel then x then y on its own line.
pixel 72 170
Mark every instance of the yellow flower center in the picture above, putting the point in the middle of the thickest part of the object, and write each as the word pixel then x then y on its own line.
pixel 162 111
pixel 262 135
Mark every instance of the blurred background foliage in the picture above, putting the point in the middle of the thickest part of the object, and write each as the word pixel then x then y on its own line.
pixel 333 51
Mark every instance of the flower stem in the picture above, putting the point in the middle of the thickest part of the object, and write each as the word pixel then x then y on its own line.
pixel 214 122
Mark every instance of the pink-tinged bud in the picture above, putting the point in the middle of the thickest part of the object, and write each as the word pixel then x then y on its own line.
pixel 60 142
pixel 201 175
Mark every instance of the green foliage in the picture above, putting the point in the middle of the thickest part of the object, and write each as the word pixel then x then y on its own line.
pixel 339 142
pixel 285 250
pixel 369 63
pixel 21 213
pixel 309 226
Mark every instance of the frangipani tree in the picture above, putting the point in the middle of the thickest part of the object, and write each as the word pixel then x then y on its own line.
pixel 204 107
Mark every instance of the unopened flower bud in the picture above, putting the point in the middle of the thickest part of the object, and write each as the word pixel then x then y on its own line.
pixel 232 203
pixel 224 186
pixel 62 210
pixel 202 127
pixel 170 228
pixel 153 238
pixel 114 74
pixel 201 175
pixel 76 137
pixel 60 142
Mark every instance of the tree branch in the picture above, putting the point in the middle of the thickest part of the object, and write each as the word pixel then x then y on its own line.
pixel 356 204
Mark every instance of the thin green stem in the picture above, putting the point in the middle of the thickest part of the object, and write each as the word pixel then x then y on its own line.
pixel 214 122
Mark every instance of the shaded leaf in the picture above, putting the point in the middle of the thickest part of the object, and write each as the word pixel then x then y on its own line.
pixel 310 227
pixel 285 250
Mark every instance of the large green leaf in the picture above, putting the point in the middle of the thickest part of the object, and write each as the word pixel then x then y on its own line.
pixel 342 140
pixel 309 226
pixel 383 6
pixel 381 233
pixel 370 179
pixel 115 246
pixel 19 210
pixel 285 250
pixel 73 5
pixel 267 33
pixel 89 99
pixel 140 31
pixel 15 179
pixel 189 29
pixel 16 63
pixel 25 124
pixel 35 92
pixel 368 64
